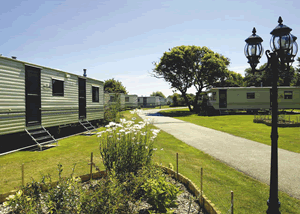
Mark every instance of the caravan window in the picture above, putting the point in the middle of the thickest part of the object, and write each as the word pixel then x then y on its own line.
pixel 57 87
pixel 126 99
pixel 214 96
pixel 251 95
pixel 95 94
pixel 112 99
pixel 288 95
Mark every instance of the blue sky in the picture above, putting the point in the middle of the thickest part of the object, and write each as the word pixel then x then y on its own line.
pixel 120 39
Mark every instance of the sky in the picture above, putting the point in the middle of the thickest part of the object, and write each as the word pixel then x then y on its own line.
pixel 121 39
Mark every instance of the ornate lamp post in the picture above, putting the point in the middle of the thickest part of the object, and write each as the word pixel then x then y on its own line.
pixel 284 47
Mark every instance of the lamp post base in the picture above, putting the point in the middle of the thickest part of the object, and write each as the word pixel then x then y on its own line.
pixel 273 208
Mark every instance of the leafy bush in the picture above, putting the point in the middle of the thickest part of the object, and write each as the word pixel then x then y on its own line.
pixel 107 197
pixel 126 147
pixel 161 194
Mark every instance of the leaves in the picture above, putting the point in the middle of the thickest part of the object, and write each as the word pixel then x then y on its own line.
pixel 114 86
pixel 187 66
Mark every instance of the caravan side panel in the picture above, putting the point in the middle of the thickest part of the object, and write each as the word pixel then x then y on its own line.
pixel 12 96
pixel 59 110
pixel 95 110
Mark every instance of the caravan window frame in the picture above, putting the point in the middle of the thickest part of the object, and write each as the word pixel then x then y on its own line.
pixel 249 95
pixel 95 92
pixel 126 99
pixel 288 96
pixel 58 90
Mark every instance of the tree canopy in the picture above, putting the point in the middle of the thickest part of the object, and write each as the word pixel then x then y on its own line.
pixel 157 93
pixel 264 78
pixel 186 66
pixel 114 86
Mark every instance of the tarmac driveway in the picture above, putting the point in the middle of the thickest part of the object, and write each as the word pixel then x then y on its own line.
pixel 250 157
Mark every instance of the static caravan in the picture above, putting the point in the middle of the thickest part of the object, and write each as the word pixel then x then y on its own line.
pixel 162 101
pixel 36 97
pixel 252 98
pixel 131 101
pixel 148 101
pixel 112 99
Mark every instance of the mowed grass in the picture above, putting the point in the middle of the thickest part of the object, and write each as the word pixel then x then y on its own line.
pixel 243 126
pixel 250 195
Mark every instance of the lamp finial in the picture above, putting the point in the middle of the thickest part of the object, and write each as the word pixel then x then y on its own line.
pixel 254 31
pixel 280 20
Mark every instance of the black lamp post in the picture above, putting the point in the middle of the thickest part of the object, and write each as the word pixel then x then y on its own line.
pixel 284 47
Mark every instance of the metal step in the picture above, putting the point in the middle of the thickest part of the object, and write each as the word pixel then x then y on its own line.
pixel 42 130
pixel 43 138
pixel 37 132
pixel 88 126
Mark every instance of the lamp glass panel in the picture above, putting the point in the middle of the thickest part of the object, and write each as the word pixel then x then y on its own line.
pixel 246 50
pixel 294 49
pixel 285 42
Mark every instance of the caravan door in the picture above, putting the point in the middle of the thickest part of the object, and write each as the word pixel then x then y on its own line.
pixel 222 98
pixel 82 98
pixel 33 96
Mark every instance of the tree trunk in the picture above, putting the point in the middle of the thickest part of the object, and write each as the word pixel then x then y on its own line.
pixel 187 101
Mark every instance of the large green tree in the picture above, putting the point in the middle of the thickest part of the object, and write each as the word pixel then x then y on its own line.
pixel 114 86
pixel 232 79
pixel 285 77
pixel 186 66
pixel 157 93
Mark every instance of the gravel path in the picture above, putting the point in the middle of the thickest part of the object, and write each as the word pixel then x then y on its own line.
pixel 250 157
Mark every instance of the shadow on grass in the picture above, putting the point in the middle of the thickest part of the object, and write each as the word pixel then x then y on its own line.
pixel 177 113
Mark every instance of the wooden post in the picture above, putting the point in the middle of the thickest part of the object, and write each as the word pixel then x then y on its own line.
pixel 177 164
pixel 201 186
pixel 231 202
pixel 23 174
pixel 91 170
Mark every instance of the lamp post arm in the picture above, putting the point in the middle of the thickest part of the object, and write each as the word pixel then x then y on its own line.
pixel 269 59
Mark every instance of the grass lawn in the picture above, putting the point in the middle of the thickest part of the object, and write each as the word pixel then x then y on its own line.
pixel 250 195
pixel 243 126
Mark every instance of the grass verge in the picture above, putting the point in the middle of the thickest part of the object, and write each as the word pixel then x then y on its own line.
pixel 219 179
pixel 242 126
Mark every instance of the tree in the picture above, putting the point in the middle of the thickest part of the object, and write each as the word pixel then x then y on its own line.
pixel 285 78
pixel 296 80
pixel 187 66
pixel 157 93
pixel 232 79
pixel 177 100
pixel 114 86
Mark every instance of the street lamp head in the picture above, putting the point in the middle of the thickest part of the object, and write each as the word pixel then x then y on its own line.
pixel 253 49
pixel 282 42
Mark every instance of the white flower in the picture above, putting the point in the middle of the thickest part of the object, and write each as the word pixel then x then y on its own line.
pixel 112 124
pixel 99 135
pixel 110 136
pixel 143 133
pixel 133 118
pixel 5 204
pixel 137 143
pixel 155 149
pixel 119 125
pixel 118 133
pixel 133 138
pixel 127 132
pixel 118 138
pixel 141 122
pixel 121 130
pixel 107 126
pixel 162 149
pixel 108 130
pixel 114 128
pixel 123 120
pixel 146 147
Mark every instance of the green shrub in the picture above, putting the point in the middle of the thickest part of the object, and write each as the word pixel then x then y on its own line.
pixel 160 194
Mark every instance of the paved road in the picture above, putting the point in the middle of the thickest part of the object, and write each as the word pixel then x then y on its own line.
pixel 248 156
